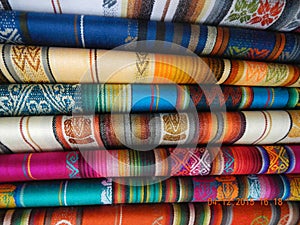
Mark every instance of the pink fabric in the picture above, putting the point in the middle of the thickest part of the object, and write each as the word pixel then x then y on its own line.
pixel 294 159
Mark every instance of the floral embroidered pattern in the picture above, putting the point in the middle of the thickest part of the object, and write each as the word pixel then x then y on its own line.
pixel 258 54
pixel 236 51
pixel 277 73
pixel 243 10
pixel 266 14
pixel 251 53
pixel 256 12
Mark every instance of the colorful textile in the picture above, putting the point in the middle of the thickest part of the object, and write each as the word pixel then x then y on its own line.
pixel 56 193
pixel 162 214
pixel 133 190
pixel 52 99
pixel 260 14
pixel 107 32
pixel 147 131
pixel 33 64
pixel 158 162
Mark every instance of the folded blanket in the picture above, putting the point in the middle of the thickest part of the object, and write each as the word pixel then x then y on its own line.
pixel 273 15
pixel 147 131
pixel 164 162
pixel 33 64
pixel 133 190
pixel 107 32
pixel 163 214
pixel 52 99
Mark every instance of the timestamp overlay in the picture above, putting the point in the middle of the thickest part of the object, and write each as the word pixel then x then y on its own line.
pixel 246 202
pixel 150 63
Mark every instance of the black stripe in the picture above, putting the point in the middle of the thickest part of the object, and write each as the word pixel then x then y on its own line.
pixel 142 35
pixel 163 190
pixel 96 65
pixel 278 180
pixel 79 211
pixel 144 163
pixel 185 214
pixel 5 149
pixel 167 151
pixel 152 162
pixel 127 189
pixel 225 214
pixel 160 31
pixel 142 32
pixel 102 131
pixel 199 211
pixel 172 214
pixel 219 67
pixel 276 213
pixel 3 79
pixel 2 215
pixel 18 215
pixel 5 4
pixel 48 216
pixel 241 183
pixel 48 64
pixel 145 194
pixel 146 9
pixel 181 11
pixel 24 28
pixel 191 189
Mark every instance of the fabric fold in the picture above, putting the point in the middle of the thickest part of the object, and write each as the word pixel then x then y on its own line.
pixel 273 15
pixel 165 162
pixel 163 214
pixel 34 64
pixel 133 190
pixel 86 31
pixel 53 99
pixel 147 131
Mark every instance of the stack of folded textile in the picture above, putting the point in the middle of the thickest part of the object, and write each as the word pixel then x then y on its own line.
pixel 135 112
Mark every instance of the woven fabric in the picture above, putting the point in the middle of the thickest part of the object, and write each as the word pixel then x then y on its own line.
pixel 163 214
pixel 107 32
pixel 56 193
pixel 133 190
pixel 33 64
pixel 56 133
pixel 158 162
pixel 52 99
pixel 274 15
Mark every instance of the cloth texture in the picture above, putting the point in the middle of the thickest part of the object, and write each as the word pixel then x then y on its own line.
pixel 259 14
pixel 147 131
pixel 86 31
pixel 100 149
pixel 53 99
pixel 133 190
pixel 163 162
pixel 34 64
pixel 163 214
